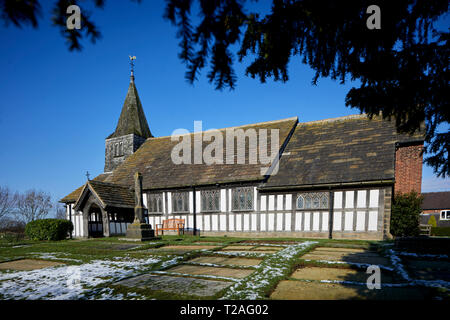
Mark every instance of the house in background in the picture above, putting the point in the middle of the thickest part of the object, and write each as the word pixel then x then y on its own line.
pixel 436 204
pixel 335 179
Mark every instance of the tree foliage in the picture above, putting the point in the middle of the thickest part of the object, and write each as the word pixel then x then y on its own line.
pixel 402 68
pixel 405 214
pixel 432 221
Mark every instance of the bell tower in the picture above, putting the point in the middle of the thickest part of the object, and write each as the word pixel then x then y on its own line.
pixel 132 129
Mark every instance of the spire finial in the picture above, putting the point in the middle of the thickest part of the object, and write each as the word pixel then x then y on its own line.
pixel 132 58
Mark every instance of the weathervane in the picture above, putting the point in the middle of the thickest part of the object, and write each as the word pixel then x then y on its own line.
pixel 132 58
pixel 87 175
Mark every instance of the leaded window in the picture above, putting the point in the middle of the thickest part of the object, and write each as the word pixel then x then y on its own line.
pixel 210 200
pixel 180 202
pixel 312 200
pixel 155 202
pixel 242 199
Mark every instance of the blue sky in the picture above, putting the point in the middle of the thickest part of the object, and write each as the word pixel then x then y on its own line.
pixel 57 106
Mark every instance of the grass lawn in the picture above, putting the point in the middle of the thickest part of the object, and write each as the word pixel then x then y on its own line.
pixel 91 269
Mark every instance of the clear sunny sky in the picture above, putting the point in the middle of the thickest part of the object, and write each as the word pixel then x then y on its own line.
pixel 57 106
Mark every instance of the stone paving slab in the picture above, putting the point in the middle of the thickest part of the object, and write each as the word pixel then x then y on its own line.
pixel 234 248
pixel 185 247
pixel 428 270
pixel 228 261
pixel 179 285
pixel 340 274
pixel 211 271
pixel 268 248
pixel 302 290
pixel 362 257
pixel 28 264
pixel 353 250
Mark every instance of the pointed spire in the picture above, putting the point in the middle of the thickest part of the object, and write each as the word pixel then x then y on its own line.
pixel 132 118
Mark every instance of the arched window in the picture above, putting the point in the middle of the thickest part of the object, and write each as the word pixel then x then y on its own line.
pixel 300 202
pixel 312 200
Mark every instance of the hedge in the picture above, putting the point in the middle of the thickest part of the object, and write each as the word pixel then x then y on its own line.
pixel 440 231
pixel 48 229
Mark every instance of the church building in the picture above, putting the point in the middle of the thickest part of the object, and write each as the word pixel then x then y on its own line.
pixel 332 178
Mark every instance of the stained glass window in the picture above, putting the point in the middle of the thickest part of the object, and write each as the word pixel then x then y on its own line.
pixel 242 199
pixel 312 200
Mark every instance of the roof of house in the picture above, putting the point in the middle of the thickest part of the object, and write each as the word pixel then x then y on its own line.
pixel 132 118
pixel 154 161
pixel 436 200
pixel 108 194
pixel 341 150
pixel 346 149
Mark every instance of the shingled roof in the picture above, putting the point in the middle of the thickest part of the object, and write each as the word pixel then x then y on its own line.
pixel 436 200
pixel 132 118
pixel 108 194
pixel 153 160
pixel 341 150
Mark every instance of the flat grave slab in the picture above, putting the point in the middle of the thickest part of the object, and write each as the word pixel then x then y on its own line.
pixel 184 248
pixel 338 249
pixel 179 285
pixel 28 264
pixel 211 271
pixel 356 256
pixel 268 248
pixel 428 270
pixel 235 248
pixel 228 261
pixel 340 274
pixel 302 290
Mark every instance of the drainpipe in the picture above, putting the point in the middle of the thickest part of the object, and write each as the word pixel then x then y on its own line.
pixel 331 214
pixel 194 211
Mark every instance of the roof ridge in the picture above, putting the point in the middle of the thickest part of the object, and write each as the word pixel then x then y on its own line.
pixel 244 125
pixel 343 118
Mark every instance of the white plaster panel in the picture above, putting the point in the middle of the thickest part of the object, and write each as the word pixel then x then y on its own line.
pixel 223 200
pixel 337 221
pixel 289 202
pixel 207 222
pixel 298 221
pixel 361 199
pixel 280 202
pixel 349 199
pixel 214 222
pixel 238 222
pixel 263 203
pixel 279 222
pixel 246 222
pixel 271 202
pixel 360 220
pixel 348 222
pixel 254 222
pixel 338 200
pixel 231 222
pixel 316 221
pixel 223 222
pixel 271 222
pixel 262 224
pixel 169 202
pixel 374 194
pixel 373 221
pixel 307 221
pixel 324 221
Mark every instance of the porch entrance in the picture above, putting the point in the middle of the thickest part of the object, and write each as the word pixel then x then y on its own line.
pixel 95 222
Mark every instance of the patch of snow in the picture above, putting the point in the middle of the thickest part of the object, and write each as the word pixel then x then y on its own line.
pixel 68 282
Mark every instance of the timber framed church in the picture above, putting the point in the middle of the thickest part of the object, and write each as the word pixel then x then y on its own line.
pixel 336 179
